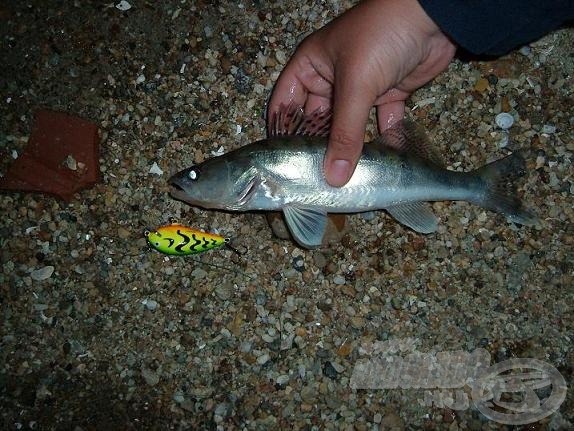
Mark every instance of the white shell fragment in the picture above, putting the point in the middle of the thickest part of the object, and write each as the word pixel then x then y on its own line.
pixel 548 129
pixel 155 169
pixel 219 152
pixel 71 163
pixel 123 6
pixel 504 120
pixel 42 273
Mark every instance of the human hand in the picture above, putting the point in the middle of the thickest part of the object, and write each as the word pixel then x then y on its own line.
pixel 375 54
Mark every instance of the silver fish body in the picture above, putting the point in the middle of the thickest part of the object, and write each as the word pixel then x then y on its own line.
pixel 286 173
pixel 289 171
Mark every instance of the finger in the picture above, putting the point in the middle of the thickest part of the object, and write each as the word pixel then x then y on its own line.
pixel 315 102
pixel 390 113
pixel 288 90
pixel 350 114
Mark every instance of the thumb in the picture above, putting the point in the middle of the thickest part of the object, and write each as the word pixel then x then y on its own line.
pixel 351 108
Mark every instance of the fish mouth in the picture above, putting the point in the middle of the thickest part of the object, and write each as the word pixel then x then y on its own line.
pixel 177 191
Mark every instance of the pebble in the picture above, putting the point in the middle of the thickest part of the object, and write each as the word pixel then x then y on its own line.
pixel 263 359
pixel 308 394
pixel 224 291
pixel 42 273
pixel 319 259
pixel 150 304
pixel 548 129
pixel 330 371
pixel 339 280
pixel 151 377
pixel 282 380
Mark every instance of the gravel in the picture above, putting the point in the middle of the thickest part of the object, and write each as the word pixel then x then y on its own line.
pixel 98 332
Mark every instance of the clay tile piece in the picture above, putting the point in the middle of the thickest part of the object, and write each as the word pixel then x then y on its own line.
pixel 61 158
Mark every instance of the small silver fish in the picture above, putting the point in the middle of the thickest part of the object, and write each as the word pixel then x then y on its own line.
pixel 285 172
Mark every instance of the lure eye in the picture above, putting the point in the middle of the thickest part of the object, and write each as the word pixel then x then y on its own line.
pixel 193 174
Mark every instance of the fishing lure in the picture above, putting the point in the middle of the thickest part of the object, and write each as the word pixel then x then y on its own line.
pixel 178 240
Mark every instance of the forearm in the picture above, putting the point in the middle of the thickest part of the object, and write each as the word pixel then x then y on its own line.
pixel 494 27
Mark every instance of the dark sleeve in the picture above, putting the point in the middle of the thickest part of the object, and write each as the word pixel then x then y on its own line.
pixel 494 27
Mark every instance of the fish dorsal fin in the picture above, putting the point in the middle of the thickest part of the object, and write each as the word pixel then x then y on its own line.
pixel 406 136
pixel 307 225
pixel 416 215
pixel 291 120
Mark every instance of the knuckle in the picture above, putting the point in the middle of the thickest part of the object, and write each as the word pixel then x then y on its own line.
pixel 343 141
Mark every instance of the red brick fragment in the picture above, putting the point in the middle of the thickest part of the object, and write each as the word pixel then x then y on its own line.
pixel 56 142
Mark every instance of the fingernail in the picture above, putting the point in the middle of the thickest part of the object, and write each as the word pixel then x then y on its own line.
pixel 338 174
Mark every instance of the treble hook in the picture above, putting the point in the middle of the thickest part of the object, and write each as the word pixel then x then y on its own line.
pixel 235 250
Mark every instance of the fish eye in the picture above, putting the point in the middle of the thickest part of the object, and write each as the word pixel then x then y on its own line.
pixel 193 174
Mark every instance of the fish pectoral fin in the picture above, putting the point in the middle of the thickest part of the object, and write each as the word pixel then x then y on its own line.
pixel 307 225
pixel 416 215
pixel 251 181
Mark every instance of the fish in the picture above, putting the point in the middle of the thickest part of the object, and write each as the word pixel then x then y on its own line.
pixel 400 172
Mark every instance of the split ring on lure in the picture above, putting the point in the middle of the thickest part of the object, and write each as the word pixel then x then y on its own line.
pixel 178 240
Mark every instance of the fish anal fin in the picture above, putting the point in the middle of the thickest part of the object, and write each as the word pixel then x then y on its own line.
pixel 291 120
pixel 416 215
pixel 307 225
pixel 405 136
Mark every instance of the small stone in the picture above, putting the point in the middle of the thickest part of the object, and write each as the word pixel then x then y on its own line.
pixel 308 395
pixel 357 322
pixel 42 273
pixel 330 371
pixel 338 367
pixel 155 169
pixel 392 421
pixel 150 376
pixel 281 56
pixel 482 85
pixel 299 263
pixel 123 233
pixel 319 259
pixel 150 304
pixel 263 359
pixel 339 280
pixel 345 349
pixel 548 129
pixel 282 380
pixel 224 291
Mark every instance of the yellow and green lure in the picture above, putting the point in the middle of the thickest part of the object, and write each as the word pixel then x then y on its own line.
pixel 178 240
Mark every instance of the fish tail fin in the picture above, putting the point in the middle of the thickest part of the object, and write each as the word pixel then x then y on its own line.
pixel 500 194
